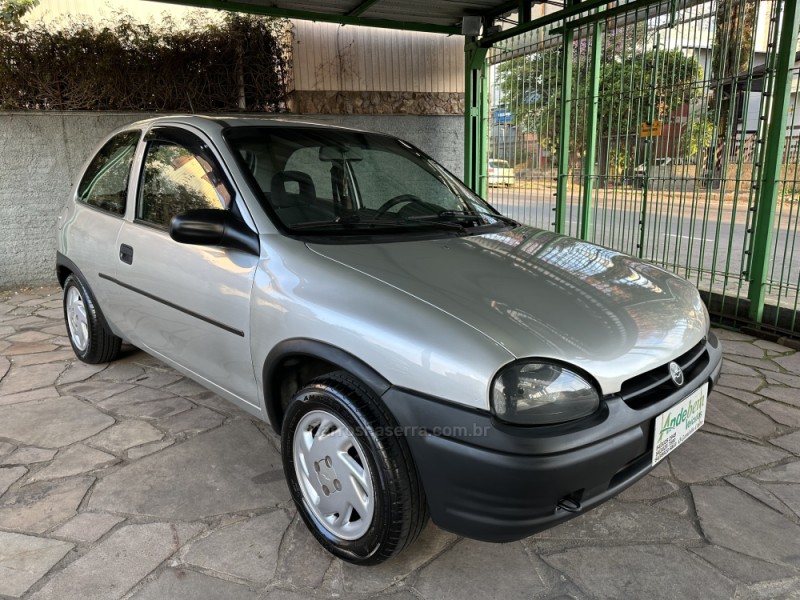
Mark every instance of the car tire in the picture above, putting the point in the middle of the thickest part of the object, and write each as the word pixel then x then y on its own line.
pixel 336 426
pixel 90 338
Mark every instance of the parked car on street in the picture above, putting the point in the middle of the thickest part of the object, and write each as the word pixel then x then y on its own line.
pixel 501 173
pixel 418 352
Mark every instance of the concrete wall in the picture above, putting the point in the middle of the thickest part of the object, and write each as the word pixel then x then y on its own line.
pixel 41 155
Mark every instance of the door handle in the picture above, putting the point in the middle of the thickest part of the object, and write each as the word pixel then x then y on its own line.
pixel 126 254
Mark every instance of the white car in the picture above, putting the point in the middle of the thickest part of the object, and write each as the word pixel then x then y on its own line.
pixel 501 173
pixel 418 352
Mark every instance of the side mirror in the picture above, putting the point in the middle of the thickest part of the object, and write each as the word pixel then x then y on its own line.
pixel 213 227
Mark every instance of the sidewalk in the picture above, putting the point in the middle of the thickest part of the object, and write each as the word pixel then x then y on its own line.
pixel 128 480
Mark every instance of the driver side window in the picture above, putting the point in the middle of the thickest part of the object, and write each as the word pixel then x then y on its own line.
pixel 177 178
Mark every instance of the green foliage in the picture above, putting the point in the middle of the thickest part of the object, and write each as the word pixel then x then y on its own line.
pixel 630 83
pixel 238 64
pixel 734 31
pixel 12 11
pixel 697 136
pixel 630 77
pixel 618 162
pixel 530 84
pixel 733 37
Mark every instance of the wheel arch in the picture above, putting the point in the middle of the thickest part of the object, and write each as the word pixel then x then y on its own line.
pixel 64 268
pixel 294 362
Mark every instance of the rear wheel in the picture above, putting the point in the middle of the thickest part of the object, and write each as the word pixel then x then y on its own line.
pixel 91 340
pixel 350 474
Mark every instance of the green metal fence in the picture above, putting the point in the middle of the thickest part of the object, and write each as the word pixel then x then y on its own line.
pixel 664 129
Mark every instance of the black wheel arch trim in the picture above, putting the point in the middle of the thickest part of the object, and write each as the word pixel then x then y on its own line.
pixel 63 261
pixel 306 347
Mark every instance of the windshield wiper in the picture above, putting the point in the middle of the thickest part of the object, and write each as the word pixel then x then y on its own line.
pixel 462 216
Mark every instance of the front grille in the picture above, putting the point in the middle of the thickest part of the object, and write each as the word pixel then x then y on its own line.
pixel 648 388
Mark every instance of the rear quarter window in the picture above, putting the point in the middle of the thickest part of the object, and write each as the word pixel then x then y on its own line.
pixel 105 183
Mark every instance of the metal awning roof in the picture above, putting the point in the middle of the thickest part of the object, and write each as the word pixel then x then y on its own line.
pixel 437 16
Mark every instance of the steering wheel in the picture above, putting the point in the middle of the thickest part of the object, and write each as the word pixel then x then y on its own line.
pixel 401 199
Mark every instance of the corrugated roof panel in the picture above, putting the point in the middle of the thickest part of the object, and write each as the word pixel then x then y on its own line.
pixel 443 12
pixel 347 58
pixel 438 13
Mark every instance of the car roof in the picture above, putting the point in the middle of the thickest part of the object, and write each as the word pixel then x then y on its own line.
pixel 218 122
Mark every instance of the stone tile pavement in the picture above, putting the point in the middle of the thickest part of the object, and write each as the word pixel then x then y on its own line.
pixel 129 481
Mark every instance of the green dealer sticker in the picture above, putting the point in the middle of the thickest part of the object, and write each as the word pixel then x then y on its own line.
pixel 679 422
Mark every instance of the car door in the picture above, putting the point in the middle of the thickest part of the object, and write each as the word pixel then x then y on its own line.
pixel 89 227
pixel 189 304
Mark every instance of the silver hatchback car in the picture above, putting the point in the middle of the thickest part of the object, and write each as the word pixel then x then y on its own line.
pixel 418 352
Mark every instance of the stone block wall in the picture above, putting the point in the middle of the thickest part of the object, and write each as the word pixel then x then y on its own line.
pixel 377 103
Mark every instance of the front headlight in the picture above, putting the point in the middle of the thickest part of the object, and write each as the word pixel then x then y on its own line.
pixel 539 393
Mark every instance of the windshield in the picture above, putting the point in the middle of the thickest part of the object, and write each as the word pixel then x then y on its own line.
pixel 322 182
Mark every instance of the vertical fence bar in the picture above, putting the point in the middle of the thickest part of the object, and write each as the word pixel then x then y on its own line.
pixel 773 161
pixel 648 146
pixel 591 133
pixel 475 112
pixel 565 116
pixel 719 191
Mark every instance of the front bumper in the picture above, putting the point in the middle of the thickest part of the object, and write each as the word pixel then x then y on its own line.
pixel 498 483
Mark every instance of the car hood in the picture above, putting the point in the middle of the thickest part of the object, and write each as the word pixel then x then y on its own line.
pixel 543 295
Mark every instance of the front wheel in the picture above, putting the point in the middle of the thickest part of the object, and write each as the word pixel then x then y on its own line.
pixel 91 340
pixel 350 473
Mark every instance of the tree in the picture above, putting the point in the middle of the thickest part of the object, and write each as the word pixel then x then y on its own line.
pixel 698 135
pixel 12 11
pixel 630 79
pixel 733 44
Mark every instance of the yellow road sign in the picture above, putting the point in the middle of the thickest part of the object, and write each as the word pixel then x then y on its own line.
pixel 650 129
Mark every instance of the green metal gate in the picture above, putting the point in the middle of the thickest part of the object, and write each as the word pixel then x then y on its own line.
pixel 667 130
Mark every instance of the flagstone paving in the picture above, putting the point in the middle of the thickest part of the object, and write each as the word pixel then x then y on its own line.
pixel 130 481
